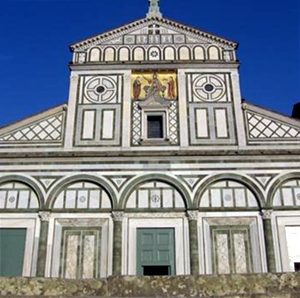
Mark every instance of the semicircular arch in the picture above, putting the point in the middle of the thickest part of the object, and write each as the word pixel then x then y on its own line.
pixel 29 182
pixel 66 181
pixel 172 181
pixel 244 180
pixel 277 183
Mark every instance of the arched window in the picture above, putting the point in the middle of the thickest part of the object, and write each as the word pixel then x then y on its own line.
pixel 82 195
pixel 138 54
pixel 155 195
pixel 95 55
pixel 169 53
pixel 109 54
pixel 213 53
pixel 228 194
pixel 17 195
pixel 184 53
pixel 124 54
pixel 199 53
pixel 287 194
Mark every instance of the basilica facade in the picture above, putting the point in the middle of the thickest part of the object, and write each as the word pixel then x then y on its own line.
pixel 155 166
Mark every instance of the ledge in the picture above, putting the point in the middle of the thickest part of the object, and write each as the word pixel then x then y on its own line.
pixel 286 285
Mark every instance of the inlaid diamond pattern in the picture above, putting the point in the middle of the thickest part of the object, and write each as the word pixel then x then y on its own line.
pixel 136 124
pixel 262 127
pixel 49 129
pixel 173 123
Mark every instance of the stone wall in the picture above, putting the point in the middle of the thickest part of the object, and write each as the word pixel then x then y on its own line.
pixel 232 286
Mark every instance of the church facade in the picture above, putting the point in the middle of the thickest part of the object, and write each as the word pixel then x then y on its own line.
pixel 155 166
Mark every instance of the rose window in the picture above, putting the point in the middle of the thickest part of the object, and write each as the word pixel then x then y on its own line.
pixel 100 90
pixel 209 88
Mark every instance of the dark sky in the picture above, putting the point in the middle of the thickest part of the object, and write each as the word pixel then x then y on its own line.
pixel 35 36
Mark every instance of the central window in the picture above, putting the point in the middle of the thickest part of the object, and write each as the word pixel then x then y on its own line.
pixel 155 128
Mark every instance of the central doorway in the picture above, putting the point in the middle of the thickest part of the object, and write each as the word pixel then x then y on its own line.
pixel 155 251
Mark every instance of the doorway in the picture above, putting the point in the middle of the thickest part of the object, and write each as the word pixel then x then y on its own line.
pixel 155 251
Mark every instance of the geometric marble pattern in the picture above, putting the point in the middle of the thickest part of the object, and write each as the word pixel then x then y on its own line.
pixel 49 129
pixel 136 123
pixel 173 123
pixel 288 194
pixel 261 127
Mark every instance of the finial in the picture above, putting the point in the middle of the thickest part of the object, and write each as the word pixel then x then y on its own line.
pixel 154 10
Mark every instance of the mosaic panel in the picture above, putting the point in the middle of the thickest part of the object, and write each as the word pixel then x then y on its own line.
pixel 136 123
pixel 155 195
pixel 80 253
pixel 288 194
pixel 261 127
pixel 17 196
pixel 228 194
pixel 46 130
pixel 144 84
pixel 82 195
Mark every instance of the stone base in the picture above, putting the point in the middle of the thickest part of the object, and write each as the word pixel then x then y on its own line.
pixel 285 285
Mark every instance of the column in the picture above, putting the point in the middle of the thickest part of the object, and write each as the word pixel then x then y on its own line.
pixel 42 252
pixel 269 243
pixel 193 233
pixel 117 242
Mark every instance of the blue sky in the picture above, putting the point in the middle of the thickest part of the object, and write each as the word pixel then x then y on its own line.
pixel 36 34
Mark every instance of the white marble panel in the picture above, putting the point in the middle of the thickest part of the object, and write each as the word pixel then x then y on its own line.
pixel 71 256
pixel 94 199
pixel 143 201
pixel 105 201
pixel 240 253
pixel 202 123
pixel 167 198
pixel 108 124
pixel 222 254
pixel 88 256
pixel 221 123
pixel 88 125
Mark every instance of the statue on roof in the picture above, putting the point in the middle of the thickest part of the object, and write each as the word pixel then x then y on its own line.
pixel 154 10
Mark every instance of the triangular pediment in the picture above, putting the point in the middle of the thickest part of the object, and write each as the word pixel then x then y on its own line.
pixel 143 31
pixel 46 128
pixel 266 126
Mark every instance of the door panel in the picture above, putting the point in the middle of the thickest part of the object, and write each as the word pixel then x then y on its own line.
pixel 12 246
pixel 155 248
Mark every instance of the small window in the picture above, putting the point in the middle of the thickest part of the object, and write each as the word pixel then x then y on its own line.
pixel 297 266
pixel 155 127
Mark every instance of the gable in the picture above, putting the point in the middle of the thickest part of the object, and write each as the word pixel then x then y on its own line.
pixel 44 129
pixel 165 35
pixel 264 126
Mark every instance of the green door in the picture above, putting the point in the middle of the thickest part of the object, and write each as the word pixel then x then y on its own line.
pixel 155 252
pixel 12 245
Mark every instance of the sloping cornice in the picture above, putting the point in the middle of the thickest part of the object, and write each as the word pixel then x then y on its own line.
pixel 134 25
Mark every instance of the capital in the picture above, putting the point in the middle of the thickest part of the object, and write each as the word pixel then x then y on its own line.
pixel 44 215
pixel 192 214
pixel 117 215
pixel 266 214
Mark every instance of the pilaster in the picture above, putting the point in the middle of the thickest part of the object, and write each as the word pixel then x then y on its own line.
pixel 117 217
pixel 269 240
pixel 42 252
pixel 193 235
